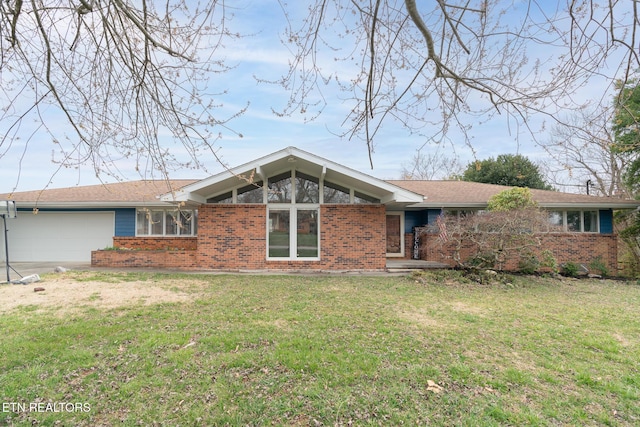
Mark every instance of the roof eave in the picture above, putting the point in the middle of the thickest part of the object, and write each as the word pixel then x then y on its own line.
pixel 88 205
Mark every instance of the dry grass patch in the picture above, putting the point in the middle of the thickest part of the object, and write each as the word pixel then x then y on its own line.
pixel 73 291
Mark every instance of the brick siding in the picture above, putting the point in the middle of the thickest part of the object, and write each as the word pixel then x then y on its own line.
pixel 581 248
pixel 156 243
pixel 234 237
pixel 178 260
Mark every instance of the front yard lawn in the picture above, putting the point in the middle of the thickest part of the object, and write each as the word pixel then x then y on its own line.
pixel 433 349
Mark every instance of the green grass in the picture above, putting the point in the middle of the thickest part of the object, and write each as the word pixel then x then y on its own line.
pixel 434 349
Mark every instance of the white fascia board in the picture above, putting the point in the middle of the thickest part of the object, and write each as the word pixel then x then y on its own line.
pixel 400 196
pixel 583 206
pixel 448 206
pixel 89 205
pixel 181 196
pixel 559 206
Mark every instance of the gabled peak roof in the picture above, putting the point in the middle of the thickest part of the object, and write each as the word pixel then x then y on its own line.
pixel 292 158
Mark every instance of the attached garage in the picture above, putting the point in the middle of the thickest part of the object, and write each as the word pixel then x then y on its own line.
pixel 58 236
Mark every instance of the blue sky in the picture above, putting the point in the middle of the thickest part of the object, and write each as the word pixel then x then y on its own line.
pixel 263 132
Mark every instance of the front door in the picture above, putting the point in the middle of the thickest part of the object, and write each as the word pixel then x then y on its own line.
pixel 395 244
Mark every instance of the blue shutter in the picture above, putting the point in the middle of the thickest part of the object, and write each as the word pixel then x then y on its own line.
pixel 606 221
pixel 125 222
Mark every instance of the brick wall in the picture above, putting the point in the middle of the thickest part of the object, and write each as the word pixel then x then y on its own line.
pixel 156 243
pixel 353 237
pixel 234 237
pixel 178 260
pixel 582 248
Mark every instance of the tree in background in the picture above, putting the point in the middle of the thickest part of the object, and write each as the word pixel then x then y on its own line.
pixel 507 169
pixel 626 129
pixel 511 200
pixel 431 166
pixel 582 153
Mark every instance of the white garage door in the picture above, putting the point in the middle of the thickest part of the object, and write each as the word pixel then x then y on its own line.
pixel 57 236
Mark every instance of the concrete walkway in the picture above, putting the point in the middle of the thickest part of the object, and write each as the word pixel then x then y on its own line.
pixel 28 268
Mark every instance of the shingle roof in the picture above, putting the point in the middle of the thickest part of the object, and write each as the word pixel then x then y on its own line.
pixel 132 192
pixel 470 194
pixel 437 194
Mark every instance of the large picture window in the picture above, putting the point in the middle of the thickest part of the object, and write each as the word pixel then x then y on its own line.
pixel 166 222
pixel 293 211
pixel 293 233
pixel 575 221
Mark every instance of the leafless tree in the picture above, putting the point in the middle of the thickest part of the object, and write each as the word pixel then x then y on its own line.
pixel 124 72
pixel 432 65
pixel 495 239
pixel 432 165
pixel 121 74
pixel 583 156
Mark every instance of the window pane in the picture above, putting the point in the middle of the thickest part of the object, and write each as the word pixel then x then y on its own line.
pixel 307 238
pixel 279 233
pixel 334 193
pixel 157 222
pixel 364 198
pixel 591 221
pixel 280 188
pixel 573 220
pixel 222 198
pixel 307 189
pixel 251 193
pixel 556 220
pixel 186 219
pixel 195 222
pixel 171 223
pixel 142 223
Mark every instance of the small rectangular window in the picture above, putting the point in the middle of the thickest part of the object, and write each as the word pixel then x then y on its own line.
pixel 279 233
pixel 590 221
pixel 251 193
pixel 279 190
pixel 186 222
pixel 334 193
pixel 556 219
pixel 142 222
pixel 221 198
pixel 157 222
pixel 364 198
pixel 573 221
pixel 307 233
pixel 307 189
pixel 171 220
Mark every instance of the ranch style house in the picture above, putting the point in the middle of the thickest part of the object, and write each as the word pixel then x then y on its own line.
pixel 288 211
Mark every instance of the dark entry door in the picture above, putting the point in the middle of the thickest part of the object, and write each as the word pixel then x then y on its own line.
pixel 394 235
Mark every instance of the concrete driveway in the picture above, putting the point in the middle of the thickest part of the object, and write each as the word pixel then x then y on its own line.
pixel 23 269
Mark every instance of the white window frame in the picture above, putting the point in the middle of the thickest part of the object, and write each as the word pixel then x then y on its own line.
pixel 293 209
pixel 181 231
pixel 565 224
